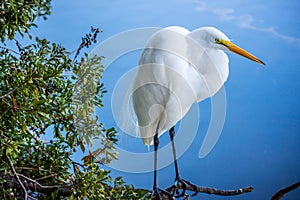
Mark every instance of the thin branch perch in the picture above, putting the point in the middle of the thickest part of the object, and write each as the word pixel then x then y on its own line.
pixel 215 191
pixel 206 190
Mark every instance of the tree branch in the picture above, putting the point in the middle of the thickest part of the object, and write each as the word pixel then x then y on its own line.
pixel 67 190
pixel 33 185
pixel 22 84
pixel 17 177
pixel 13 90
pixel 20 180
pixel 283 191
pixel 215 191
pixel 206 190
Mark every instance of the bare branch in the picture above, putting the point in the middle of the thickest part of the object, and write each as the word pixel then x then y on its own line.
pixel 38 184
pixel 17 177
pixel 220 192
pixel 33 185
pixel 49 176
pixel 283 191
pixel 206 190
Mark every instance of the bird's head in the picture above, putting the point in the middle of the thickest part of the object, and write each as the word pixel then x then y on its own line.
pixel 210 37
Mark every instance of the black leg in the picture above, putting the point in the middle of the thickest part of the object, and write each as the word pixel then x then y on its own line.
pixel 172 133
pixel 178 179
pixel 156 143
pixel 156 190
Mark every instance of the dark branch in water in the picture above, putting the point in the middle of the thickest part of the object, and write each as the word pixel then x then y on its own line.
pixel 283 191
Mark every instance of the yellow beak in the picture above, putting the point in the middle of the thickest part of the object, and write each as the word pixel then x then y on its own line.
pixel 238 50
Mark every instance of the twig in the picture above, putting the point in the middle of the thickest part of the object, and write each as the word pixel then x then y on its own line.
pixel 76 163
pixel 87 40
pixel 10 50
pixel 51 175
pixel 32 135
pixel 13 90
pixel 283 191
pixel 17 177
pixel 38 184
pixel 33 185
pixel 32 169
pixel 6 103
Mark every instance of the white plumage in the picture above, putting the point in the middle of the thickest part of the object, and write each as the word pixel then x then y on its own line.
pixel 176 69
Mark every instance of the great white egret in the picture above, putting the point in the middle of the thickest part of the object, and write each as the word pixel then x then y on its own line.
pixel 176 69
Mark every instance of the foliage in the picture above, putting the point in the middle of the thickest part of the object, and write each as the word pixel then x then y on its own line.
pixel 90 186
pixel 19 15
pixel 47 104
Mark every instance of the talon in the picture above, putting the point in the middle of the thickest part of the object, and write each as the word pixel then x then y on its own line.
pixel 184 184
pixel 193 186
pixel 157 193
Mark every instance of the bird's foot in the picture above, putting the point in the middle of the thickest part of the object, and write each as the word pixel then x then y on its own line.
pixel 157 194
pixel 184 184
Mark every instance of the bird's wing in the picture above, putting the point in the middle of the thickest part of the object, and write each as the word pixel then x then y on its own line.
pixel 161 91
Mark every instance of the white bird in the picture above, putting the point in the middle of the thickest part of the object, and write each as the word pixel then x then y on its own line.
pixel 176 69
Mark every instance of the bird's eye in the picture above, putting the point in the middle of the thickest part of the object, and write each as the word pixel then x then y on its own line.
pixel 217 40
